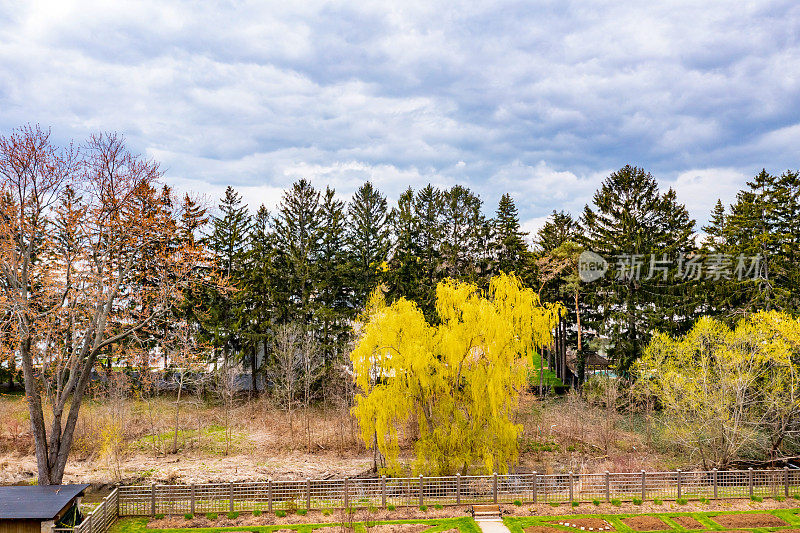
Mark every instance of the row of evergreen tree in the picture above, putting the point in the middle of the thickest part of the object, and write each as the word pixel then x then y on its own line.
pixel 315 260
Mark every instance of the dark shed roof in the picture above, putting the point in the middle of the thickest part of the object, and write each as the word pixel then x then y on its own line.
pixel 36 502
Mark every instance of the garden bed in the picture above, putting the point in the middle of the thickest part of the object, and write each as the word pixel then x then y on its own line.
pixel 689 522
pixel 748 520
pixel 585 524
pixel 646 523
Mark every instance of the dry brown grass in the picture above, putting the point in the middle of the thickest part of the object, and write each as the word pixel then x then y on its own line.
pixel 267 441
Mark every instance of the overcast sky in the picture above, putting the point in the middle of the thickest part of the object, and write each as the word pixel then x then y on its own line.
pixel 539 99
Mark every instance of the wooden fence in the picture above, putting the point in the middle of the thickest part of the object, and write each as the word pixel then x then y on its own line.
pixel 270 496
pixel 102 517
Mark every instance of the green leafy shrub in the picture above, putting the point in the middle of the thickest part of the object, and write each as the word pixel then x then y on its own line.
pixel 596 502
pixel 326 512
pixel 616 502
pixel 796 496
pixel 656 501
pixel 423 507
pixel 211 516
pixel 637 501
pixel 280 513
pixel 158 516
pixel 233 515
pixel 704 500
pixel 757 498
pixel 518 503
pixel 554 504
pixel 390 507
pixel 575 504
pixel 681 501
pixel 302 512
pixel 438 507
pixel 257 512
pixel 778 498
pixel 188 516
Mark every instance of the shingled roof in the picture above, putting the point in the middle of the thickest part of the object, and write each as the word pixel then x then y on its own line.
pixel 36 502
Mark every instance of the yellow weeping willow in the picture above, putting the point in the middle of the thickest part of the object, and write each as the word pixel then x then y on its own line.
pixel 459 381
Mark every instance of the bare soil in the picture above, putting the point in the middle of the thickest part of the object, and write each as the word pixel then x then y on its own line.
pixel 312 517
pixel 540 529
pixel 748 520
pixel 649 507
pixel 689 522
pixel 589 524
pixel 383 528
pixel 645 523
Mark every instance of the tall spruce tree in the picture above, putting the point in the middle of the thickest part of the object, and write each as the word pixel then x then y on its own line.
pixel 260 294
pixel 465 232
pixel 406 270
pixel 511 253
pixel 428 211
pixel 368 240
pixel 559 228
pixel 299 234
pixel 334 292
pixel 635 227
pixel 228 242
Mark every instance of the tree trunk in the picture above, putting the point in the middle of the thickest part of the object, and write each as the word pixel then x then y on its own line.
pixel 254 370
pixel 177 414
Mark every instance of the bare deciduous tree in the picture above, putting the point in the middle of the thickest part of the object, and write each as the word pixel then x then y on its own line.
pixel 75 229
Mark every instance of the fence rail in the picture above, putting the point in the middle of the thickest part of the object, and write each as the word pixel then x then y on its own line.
pixel 102 517
pixel 270 496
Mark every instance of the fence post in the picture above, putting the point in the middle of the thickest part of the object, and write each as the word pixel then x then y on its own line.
pixel 644 485
pixel 571 483
pixel 153 500
pixel 308 494
pixel 118 485
pixel 421 499
pixel 494 486
pixel 750 480
pixel 90 518
pixel 786 481
pixel 269 495
pixel 534 486
pixel 679 484
pixel 608 486
pixel 192 498
pixel 383 491
pixel 716 482
pixel 346 495
pixel 458 489
pixel 230 498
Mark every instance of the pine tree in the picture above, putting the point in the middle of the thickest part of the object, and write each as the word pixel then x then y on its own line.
pixel 299 233
pixel 465 231
pixel 405 275
pixel 632 222
pixel 511 253
pixel 334 293
pixel 559 228
pixel 228 244
pixel 368 240
pixel 428 212
pixel 260 292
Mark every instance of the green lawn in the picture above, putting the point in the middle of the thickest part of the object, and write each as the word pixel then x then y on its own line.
pixel 790 516
pixel 139 525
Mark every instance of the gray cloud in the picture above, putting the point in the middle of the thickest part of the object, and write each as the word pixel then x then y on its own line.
pixel 541 100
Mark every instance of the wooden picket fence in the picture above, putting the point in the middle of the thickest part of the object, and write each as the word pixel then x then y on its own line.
pixel 102 517
pixel 270 496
